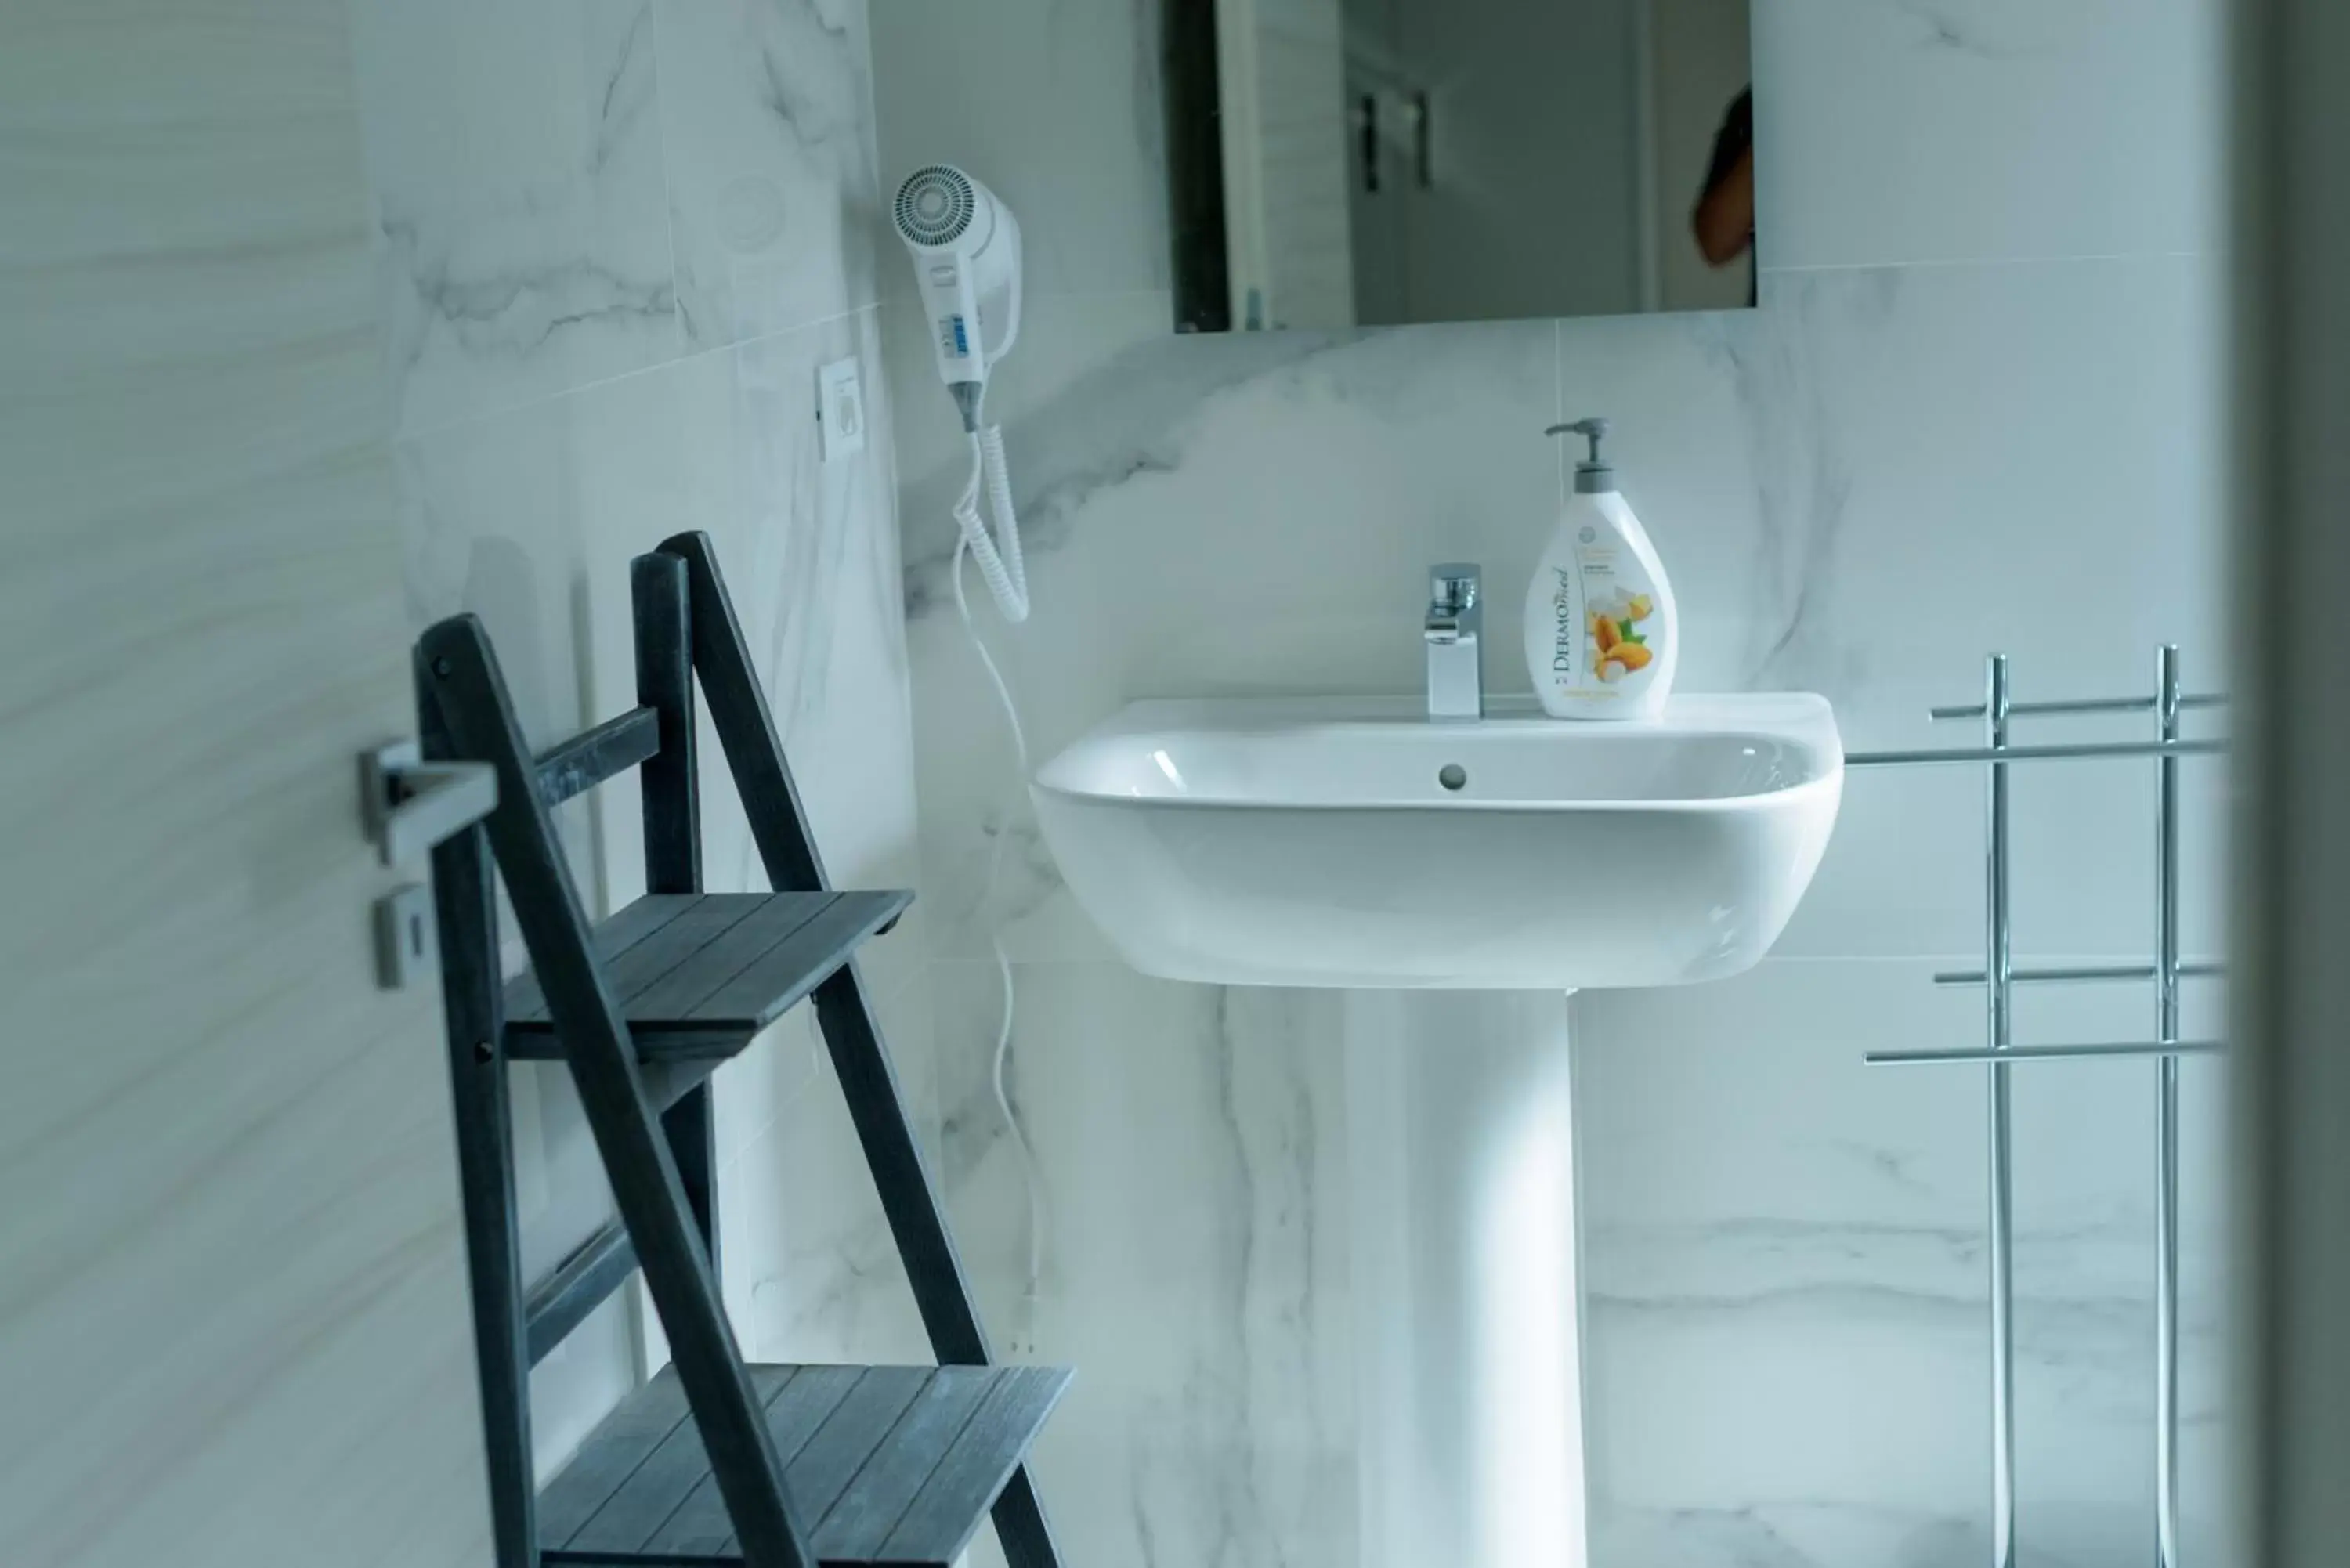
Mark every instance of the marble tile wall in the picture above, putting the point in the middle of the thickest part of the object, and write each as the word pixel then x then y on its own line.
pixel 1786 1287
pixel 617 240
pixel 1977 410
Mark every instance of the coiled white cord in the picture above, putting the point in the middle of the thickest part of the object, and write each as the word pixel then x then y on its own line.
pixel 1007 580
pixel 999 559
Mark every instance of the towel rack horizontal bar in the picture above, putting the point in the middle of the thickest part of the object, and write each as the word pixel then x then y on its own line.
pixel 1978 754
pixel 2022 1053
pixel 2079 705
pixel 2083 972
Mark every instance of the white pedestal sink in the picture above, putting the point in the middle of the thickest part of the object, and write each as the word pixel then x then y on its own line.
pixel 1355 842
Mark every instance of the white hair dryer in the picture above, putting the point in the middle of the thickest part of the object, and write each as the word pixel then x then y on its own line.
pixel 965 246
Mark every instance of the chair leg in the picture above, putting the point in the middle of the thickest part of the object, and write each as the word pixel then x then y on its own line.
pixel 470 698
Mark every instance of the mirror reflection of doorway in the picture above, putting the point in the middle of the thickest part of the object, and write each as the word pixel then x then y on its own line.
pixel 1407 161
pixel 1509 134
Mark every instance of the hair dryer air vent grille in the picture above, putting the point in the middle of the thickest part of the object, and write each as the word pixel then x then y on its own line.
pixel 935 205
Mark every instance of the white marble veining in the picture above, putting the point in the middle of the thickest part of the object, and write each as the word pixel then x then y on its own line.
pixel 1931 132
pixel 767 108
pixel 1189 1152
pixel 1787 1308
pixel 1953 462
pixel 516 161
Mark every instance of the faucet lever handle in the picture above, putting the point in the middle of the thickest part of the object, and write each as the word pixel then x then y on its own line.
pixel 1452 588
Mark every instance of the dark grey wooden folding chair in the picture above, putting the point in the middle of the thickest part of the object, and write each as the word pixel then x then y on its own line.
pixel 713 1462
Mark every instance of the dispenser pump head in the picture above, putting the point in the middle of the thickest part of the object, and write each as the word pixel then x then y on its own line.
pixel 1592 475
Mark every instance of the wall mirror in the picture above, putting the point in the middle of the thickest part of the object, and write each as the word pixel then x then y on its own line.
pixel 1336 163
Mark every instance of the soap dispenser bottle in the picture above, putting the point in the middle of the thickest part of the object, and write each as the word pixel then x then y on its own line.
pixel 1602 633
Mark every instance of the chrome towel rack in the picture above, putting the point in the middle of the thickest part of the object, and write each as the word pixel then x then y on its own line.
pixel 1999 977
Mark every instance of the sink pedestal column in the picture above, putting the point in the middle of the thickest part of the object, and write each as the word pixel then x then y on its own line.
pixel 1465 1264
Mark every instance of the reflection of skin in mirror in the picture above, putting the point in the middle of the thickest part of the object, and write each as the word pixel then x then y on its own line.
pixel 1724 219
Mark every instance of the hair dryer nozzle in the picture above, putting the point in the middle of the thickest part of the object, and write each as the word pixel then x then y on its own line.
pixel 937 205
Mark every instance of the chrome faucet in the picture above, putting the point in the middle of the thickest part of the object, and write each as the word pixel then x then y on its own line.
pixel 1455 630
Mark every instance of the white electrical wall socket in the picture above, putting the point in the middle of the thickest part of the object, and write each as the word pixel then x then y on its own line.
pixel 840 409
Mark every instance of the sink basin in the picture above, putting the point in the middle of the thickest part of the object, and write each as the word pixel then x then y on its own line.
pixel 1351 842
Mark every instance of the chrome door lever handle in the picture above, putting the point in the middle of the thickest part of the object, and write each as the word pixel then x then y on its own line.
pixel 409 804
